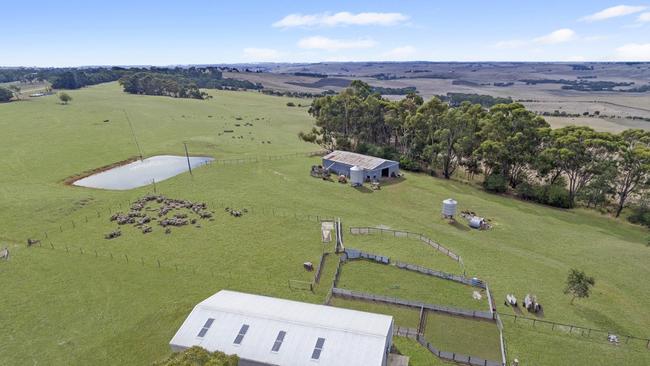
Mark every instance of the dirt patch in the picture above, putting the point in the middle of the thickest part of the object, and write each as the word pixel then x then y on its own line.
pixel 73 178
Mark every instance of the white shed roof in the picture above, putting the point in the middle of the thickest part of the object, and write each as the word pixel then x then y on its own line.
pixel 351 337
pixel 360 160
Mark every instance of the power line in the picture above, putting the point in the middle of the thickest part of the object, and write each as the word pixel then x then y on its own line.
pixel 133 133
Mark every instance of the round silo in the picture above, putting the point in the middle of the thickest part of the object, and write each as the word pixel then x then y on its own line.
pixel 356 176
pixel 449 207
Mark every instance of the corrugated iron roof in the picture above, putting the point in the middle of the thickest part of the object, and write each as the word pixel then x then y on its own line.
pixel 363 161
pixel 351 337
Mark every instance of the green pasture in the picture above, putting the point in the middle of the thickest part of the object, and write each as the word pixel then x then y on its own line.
pixel 387 280
pixel 87 305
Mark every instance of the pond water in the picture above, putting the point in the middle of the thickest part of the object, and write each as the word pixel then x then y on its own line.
pixel 142 172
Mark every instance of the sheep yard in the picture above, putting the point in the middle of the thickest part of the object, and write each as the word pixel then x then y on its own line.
pixel 78 298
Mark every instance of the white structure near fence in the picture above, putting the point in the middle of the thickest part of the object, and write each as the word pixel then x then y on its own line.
pixel 264 330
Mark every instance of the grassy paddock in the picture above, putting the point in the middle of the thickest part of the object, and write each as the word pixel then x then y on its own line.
pixel 404 250
pixel 546 347
pixel 463 336
pixel 78 309
pixel 403 316
pixel 418 355
pixel 380 279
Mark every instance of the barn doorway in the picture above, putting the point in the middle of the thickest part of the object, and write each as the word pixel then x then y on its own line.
pixel 384 172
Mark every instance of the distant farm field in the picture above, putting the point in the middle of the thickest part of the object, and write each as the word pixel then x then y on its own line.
pixel 80 299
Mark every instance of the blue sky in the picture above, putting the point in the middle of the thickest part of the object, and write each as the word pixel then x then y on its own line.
pixel 74 33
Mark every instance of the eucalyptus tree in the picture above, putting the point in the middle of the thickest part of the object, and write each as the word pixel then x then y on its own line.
pixel 633 166
pixel 580 153
pixel 511 140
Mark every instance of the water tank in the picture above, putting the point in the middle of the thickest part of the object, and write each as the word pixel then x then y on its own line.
pixel 356 176
pixel 449 207
pixel 475 222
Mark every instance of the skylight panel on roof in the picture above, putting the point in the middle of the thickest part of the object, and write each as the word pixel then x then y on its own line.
pixel 278 341
pixel 318 349
pixel 242 333
pixel 206 326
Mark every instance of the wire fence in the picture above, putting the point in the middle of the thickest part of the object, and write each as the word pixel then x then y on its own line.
pixel 474 282
pixel 258 159
pixel 104 213
pixel 319 270
pixel 356 295
pixel 405 332
pixel 406 234
pixel 309 285
pixel 591 333
pixel 457 357
pixel 148 263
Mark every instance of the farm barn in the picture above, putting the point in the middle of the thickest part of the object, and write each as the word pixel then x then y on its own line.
pixel 264 330
pixel 374 168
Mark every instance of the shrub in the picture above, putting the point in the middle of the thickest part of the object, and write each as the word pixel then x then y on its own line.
pixel 291 104
pixel 640 215
pixel 406 163
pixel 5 94
pixel 197 356
pixel 527 191
pixel 555 195
pixel 558 196
pixel 495 183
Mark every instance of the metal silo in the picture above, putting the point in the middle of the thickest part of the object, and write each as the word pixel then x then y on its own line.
pixel 356 176
pixel 449 208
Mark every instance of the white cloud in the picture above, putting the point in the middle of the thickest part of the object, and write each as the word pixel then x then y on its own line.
pixel 329 44
pixel 400 53
pixel 340 19
pixel 558 36
pixel 555 37
pixel 644 17
pixel 261 54
pixel 634 52
pixel 613 12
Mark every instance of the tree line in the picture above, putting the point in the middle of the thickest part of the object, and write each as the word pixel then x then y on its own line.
pixel 176 82
pixel 512 148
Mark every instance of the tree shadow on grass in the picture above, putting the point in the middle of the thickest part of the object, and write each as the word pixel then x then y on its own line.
pixel 363 189
pixel 391 181
pixel 601 320
pixel 459 226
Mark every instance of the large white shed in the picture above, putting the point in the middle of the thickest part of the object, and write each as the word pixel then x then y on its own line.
pixel 340 162
pixel 264 330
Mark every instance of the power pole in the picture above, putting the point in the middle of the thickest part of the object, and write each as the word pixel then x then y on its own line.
pixel 187 155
